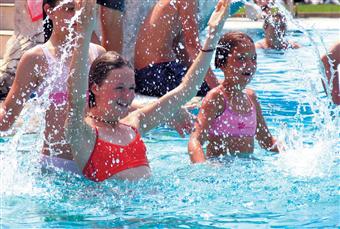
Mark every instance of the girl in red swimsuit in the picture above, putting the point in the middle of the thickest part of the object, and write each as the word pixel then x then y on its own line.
pixel 106 140
pixel 230 116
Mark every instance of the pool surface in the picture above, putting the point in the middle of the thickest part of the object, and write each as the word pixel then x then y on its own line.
pixel 295 189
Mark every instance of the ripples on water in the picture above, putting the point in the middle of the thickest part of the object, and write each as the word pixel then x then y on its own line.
pixel 295 189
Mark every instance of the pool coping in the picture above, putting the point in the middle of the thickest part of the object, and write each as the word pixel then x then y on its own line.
pixel 238 23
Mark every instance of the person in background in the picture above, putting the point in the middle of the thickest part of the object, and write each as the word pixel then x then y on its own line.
pixel 28 33
pixel 268 6
pixel 41 69
pixel 231 116
pixel 331 63
pixel 166 46
pixel 111 14
pixel 265 5
pixel 275 29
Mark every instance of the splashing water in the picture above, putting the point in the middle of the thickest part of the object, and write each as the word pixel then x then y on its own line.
pixel 284 190
pixel 310 153
pixel 22 165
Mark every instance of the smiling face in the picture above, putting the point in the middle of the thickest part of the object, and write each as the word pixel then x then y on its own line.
pixel 115 94
pixel 241 65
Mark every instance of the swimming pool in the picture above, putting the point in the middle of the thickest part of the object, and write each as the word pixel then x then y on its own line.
pixel 297 189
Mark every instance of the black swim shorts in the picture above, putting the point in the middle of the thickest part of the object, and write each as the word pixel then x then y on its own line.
pixel 160 78
pixel 113 4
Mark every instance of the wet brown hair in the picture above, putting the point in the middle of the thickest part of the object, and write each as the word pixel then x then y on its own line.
pixel 100 69
pixel 47 23
pixel 225 45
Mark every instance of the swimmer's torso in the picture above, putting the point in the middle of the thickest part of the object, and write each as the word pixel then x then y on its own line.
pixel 118 153
pixel 157 35
pixel 234 129
pixel 55 116
pixel 231 145
pixel 56 113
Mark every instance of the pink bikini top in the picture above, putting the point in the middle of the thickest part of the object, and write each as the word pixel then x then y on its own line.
pixel 233 124
pixel 57 76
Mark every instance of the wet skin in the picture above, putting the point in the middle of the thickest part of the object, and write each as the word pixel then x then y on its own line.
pixel 32 71
pixel 239 70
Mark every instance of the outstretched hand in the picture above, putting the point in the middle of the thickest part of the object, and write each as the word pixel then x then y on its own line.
pixel 218 17
pixel 86 9
pixel 183 122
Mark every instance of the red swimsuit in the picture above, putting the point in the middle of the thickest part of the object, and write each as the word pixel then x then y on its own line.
pixel 107 159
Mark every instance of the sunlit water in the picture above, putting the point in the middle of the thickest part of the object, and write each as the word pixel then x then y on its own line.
pixel 298 188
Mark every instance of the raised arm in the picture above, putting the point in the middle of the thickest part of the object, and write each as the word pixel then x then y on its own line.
pixel 80 135
pixel 26 79
pixel 188 17
pixel 161 110
pixel 331 62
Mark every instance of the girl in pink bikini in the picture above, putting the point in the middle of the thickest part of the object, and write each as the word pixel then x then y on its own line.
pixel 230 116
pixel 36 70
pixel 106 139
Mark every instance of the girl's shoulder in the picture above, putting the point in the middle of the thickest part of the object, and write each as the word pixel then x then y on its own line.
pixel 36 51
pixel 215 100
pixel 214 94
pixel 252 96
pixel 260 44
pixel 250 92
pixel 32 57
pixel 100 49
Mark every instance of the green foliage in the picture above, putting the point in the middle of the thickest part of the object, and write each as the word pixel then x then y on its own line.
pixel 322 8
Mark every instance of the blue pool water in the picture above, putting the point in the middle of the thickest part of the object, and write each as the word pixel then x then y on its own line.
pixel 299 188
